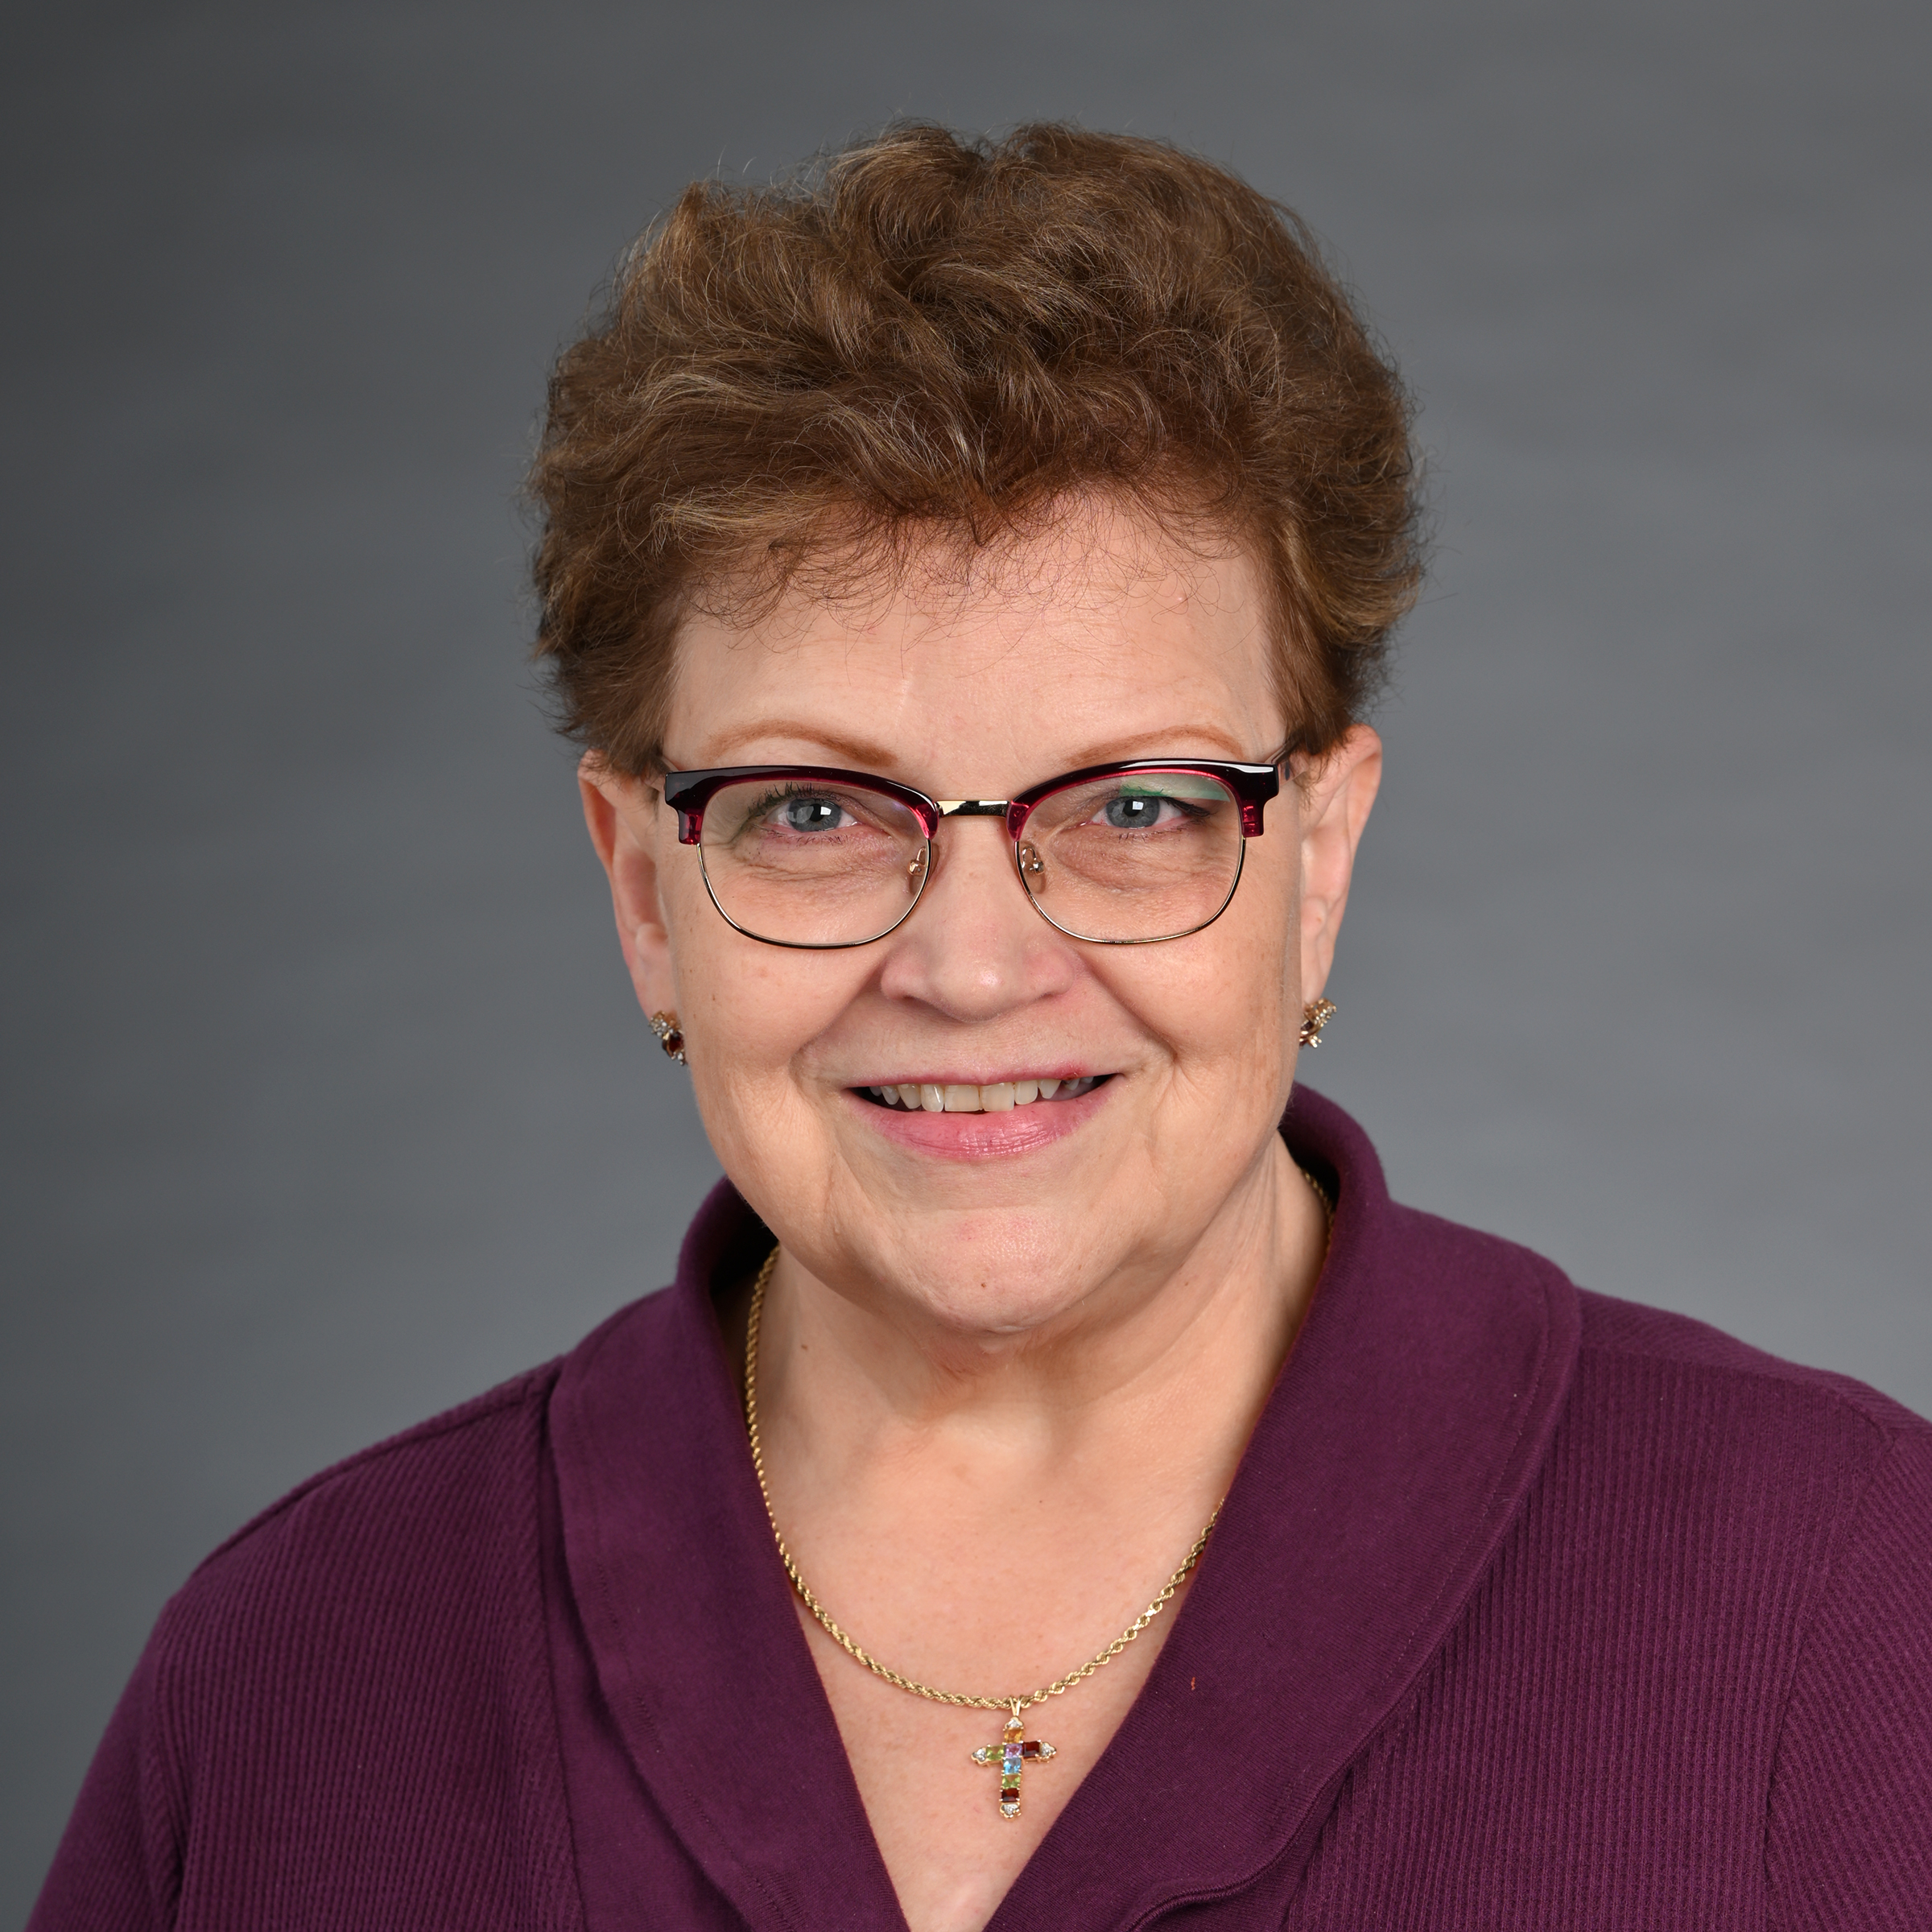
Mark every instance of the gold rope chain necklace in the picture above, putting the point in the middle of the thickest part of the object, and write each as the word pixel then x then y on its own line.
pixel 1014 1749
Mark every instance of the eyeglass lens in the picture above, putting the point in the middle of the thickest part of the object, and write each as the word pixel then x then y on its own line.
pixel 1125 859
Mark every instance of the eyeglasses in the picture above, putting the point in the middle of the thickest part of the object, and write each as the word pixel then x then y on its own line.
pixel 1126 854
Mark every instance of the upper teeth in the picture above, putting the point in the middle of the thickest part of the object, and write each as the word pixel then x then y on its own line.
pixel 996 1099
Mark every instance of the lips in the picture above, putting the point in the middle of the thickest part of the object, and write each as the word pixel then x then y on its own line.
pixel 999 1097
pixel 969 1123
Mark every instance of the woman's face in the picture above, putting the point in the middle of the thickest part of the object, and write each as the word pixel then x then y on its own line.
pixel 1102 640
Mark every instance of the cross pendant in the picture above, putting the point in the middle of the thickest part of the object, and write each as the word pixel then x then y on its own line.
pixel 1009 1754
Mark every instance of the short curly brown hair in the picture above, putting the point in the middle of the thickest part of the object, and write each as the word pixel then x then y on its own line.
pixel 926 337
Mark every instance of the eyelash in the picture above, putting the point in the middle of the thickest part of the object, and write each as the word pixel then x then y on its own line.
pixel 1192 809
pixel 785 794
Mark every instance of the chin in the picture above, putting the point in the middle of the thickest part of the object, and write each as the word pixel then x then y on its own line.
pixel 992 1308
pixel 1002 1287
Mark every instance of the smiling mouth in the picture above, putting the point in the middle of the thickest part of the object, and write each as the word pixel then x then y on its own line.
pixel 1001 1097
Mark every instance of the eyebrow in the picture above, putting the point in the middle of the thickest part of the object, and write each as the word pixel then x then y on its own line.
pixel 867 755
pixel 857 751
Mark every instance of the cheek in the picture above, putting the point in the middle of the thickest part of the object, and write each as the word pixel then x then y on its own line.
pixel 1220 999
pixel 748 1022
pixel 749 1011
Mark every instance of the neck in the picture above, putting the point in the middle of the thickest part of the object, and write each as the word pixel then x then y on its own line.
pixel 1148 1388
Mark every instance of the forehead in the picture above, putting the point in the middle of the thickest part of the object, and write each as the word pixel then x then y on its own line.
pixel 1103 635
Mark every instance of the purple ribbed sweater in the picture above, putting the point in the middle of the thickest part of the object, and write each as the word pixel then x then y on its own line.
pixel 1529 1609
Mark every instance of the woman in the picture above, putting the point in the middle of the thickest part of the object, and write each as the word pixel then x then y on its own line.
pixel 1060 1488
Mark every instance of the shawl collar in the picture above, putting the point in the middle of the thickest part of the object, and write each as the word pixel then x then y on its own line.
pixel 1397 1445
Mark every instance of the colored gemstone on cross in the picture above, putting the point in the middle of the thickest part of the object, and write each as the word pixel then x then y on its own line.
pixel 1008 1755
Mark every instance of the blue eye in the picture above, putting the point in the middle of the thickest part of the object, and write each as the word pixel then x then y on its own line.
pixel 1148 811
pixel 810 814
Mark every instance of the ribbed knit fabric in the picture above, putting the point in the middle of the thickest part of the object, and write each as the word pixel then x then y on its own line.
pixel 345 1720
pixel 1693 1689
pixel 1530 1610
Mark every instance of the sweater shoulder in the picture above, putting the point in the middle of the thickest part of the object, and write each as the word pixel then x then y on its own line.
pixel 1688 1351
pixel 453 1493
pixel 358 1682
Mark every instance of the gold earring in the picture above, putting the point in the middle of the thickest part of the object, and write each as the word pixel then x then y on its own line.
pixel 1315 1015
pixel 670 1036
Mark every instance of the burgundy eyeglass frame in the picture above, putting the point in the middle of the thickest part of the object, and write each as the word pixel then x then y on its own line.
pixel 687 793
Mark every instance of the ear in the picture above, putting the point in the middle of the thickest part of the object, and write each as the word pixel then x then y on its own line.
pixel 1337 793
pixel 626 818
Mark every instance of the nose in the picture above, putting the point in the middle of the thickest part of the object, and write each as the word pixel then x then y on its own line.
pixel 974 948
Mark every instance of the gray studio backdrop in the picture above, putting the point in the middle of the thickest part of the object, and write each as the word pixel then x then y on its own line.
pixel 326 1101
